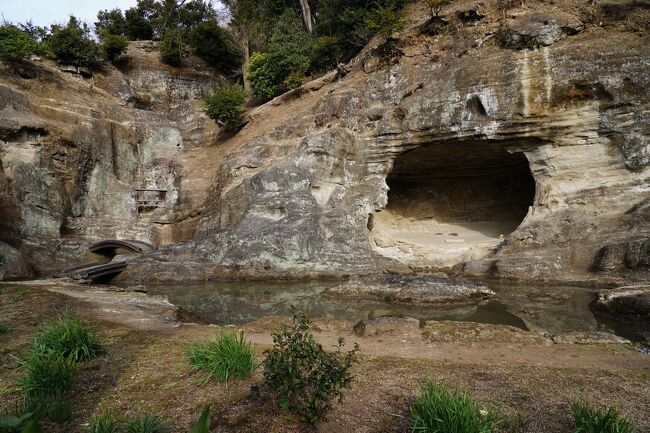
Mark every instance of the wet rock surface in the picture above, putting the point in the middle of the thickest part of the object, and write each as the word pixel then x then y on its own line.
pixel 631 304
pixel 387 325
pixel 413 289
pixel 592 337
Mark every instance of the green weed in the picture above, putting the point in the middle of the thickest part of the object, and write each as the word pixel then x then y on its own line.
pixel 440 409
pixel 147 424
pixel 3 328
pixel 590 419
pixel 46 376
pixel 227 356
pixel 67 337
pixel 105 422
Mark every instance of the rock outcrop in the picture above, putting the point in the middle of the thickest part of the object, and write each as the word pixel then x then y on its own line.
pixel 510 148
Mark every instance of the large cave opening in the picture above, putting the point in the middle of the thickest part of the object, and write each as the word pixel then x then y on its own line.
pixel 449 203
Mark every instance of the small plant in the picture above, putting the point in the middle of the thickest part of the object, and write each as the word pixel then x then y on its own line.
pixel 590 419
pixel 440 409
pixel 146 424
pixel 13 423
pixel 171 48
pixel 3 328
pixel 202 425
pixel 436 6
pixel 301 374
pixel 67 337
pixel 229 355
pixel 226 104
pixel 20 294
pixel 105 422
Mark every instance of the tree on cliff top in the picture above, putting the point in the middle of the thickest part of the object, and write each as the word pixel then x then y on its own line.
pixel 436 6
pixel 16 44
pixel 72 44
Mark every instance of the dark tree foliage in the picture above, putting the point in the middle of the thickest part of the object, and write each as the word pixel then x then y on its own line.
pixel 110 22
pixel 215 45
pixel 73 45
pixel 138 26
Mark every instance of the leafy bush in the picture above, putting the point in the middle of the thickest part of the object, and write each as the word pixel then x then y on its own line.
pixel 440 409
pixel 67 338
pixel 16 44
pixel 589 419
pixel 146 424
pixel 137 25
pixel 214 44
pixel 229 355
pixel 72 44
pixel 226 104
pixel 301 374
pixel 325 52
pixel 171 48
pixel 288 53
pixel 262 76
pixel 105 422
pixel 114 45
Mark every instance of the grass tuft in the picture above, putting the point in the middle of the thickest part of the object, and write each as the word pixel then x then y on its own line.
pixel 440 409
pixel 590 419
pixel 227 356
pixel 147 424
pixel 45 381
pixel 105 422
pixel 67 337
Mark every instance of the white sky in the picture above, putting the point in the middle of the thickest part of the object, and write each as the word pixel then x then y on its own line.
pixel 47 12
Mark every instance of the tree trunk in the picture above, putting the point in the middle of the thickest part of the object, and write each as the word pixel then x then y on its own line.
pixel 244 66
pixel 306 15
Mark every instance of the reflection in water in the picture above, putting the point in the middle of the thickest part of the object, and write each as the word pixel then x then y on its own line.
pixel 540 309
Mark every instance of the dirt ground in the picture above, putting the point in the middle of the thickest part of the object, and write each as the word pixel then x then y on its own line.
pixel 146 371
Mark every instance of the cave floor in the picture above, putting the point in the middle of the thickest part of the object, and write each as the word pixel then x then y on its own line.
pixel 145 369
pixel 436 243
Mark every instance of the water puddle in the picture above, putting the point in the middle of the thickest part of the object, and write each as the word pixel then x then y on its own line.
pixel 546 310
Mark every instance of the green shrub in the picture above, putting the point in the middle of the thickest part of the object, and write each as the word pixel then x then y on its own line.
pixel 171 48
pixel 113 45
pixel 294 80
pixel 301 374
pixel 214 44
pixel 16 44
pixel 68 338
pixel 105 422
pixel 590 419
pixel 226 104
pixel 3 328
pixel 73 45
pixel 440 409
pixel 262 76
pixel 229 355
pixel 146 424
pixel 325 51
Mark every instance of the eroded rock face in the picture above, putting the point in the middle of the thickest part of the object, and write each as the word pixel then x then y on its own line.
pixel 307 196
pixel 12 263
pixel 74 149
pixel 399 166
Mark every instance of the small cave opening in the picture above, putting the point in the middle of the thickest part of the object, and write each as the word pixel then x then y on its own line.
pixel 452 202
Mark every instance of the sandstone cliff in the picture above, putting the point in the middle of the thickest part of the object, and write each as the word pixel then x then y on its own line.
pixel 488 148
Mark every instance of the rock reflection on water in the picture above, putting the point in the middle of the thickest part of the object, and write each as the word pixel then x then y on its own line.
pixel 540 309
